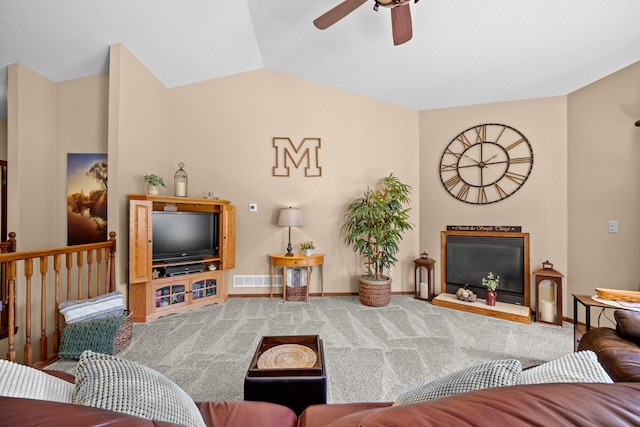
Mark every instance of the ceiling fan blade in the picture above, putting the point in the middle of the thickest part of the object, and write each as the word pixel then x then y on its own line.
pixel 337 13
pixel 401 24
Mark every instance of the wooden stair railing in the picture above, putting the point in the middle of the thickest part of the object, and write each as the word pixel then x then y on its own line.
pixel 98 256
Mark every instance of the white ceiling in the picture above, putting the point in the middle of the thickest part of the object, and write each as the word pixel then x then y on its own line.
pixel 463 52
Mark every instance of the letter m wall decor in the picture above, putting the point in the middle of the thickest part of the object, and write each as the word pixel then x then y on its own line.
pixel 288 154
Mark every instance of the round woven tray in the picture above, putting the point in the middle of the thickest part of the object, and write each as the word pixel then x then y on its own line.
pixel 287 356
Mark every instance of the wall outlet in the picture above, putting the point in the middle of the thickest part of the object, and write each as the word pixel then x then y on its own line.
pixel 613 226
pixel 253 207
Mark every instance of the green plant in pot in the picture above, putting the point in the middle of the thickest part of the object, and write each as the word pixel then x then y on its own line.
pixel 491 282
pixel 307 247
pixel 153 182
pixel 375 224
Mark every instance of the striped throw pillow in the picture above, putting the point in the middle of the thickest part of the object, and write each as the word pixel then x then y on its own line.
pixel 102 306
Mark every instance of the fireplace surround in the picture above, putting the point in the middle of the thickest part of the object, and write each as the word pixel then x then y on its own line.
pixel 467 256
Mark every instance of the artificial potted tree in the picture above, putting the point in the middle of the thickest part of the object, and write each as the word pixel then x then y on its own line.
pixel 375 224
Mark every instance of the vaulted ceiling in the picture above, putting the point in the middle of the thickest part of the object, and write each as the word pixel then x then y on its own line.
pixel 462 52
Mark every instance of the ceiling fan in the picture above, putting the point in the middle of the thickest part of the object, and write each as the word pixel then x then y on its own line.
pixel 400 16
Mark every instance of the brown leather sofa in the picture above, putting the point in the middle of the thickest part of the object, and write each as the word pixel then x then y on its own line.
pixel 31 413
pixel 575 404
pixel 561 404
pixel 618 349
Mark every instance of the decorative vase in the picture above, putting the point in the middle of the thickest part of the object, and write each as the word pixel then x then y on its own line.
pixel 307 252
pixel 491 298
pixel 153 190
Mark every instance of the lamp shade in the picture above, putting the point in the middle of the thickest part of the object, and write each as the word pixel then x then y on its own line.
pixel 290 217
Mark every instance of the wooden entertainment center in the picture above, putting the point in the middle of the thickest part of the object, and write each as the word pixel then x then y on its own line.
pixel 151 295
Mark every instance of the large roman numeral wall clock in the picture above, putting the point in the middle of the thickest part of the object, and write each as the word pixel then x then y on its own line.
pixel 486 163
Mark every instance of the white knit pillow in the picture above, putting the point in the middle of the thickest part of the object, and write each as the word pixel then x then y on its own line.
pixel 580 367
pixel 24 381
pixel 497 373
pixel 108 382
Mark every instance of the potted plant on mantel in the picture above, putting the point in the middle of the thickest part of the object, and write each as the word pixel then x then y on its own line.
pixel 153 182
pixel 374 226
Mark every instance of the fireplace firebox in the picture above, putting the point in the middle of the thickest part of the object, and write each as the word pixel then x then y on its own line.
pixel 468 256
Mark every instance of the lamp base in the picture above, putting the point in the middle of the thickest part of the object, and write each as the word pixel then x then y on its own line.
pixel 289 250
pixel 289 247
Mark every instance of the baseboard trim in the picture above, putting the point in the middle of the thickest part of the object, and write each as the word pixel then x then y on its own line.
pixel 313 294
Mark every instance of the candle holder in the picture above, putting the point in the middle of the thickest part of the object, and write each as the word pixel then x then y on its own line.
pixel 548 295
pixel 180 182
pixel 424 289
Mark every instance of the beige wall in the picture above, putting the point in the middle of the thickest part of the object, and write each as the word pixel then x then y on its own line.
pixel 604 183
pixel 222 130
pixel 585 171
pixel 32 146
pixel 138 139
pixel 72 118
pixel 540 206
pixel 81 125
pixel 31 151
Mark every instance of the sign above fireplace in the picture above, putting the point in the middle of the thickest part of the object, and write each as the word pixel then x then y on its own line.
pixel 487 228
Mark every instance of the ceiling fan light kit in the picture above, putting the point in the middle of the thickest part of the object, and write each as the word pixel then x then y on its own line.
pixel 400 16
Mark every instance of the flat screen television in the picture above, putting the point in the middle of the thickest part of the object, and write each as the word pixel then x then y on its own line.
pixel 184 236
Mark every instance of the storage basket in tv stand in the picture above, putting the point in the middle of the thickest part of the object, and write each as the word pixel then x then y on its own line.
pixel 157 289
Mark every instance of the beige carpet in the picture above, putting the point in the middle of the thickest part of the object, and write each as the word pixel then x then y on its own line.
pixel 372 354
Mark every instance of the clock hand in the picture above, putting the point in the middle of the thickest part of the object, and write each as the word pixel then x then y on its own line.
pixel 483 163
pixel 498 162
pixel 473 160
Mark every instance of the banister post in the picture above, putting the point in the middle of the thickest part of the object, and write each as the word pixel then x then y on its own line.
pixel 11 303
pixel 44 269
pixel 28 273
pixel 12 241
pixel 90 274
pixel 112 262
pixel 57 264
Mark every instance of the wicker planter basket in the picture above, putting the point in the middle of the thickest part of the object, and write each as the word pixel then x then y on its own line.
pixel 123 336
pixel 296 293
pixel 375 293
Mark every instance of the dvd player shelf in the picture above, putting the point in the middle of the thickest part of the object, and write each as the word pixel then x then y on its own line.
pixel 204 260
pixel 157 289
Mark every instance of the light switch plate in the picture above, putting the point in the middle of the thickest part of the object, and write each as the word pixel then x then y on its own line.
pixel 613 226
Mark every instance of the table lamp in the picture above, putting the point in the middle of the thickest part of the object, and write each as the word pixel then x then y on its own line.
pixel 290 217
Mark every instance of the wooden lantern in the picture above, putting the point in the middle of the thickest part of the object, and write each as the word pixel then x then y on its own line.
pixel 548 294
pixel 424 290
